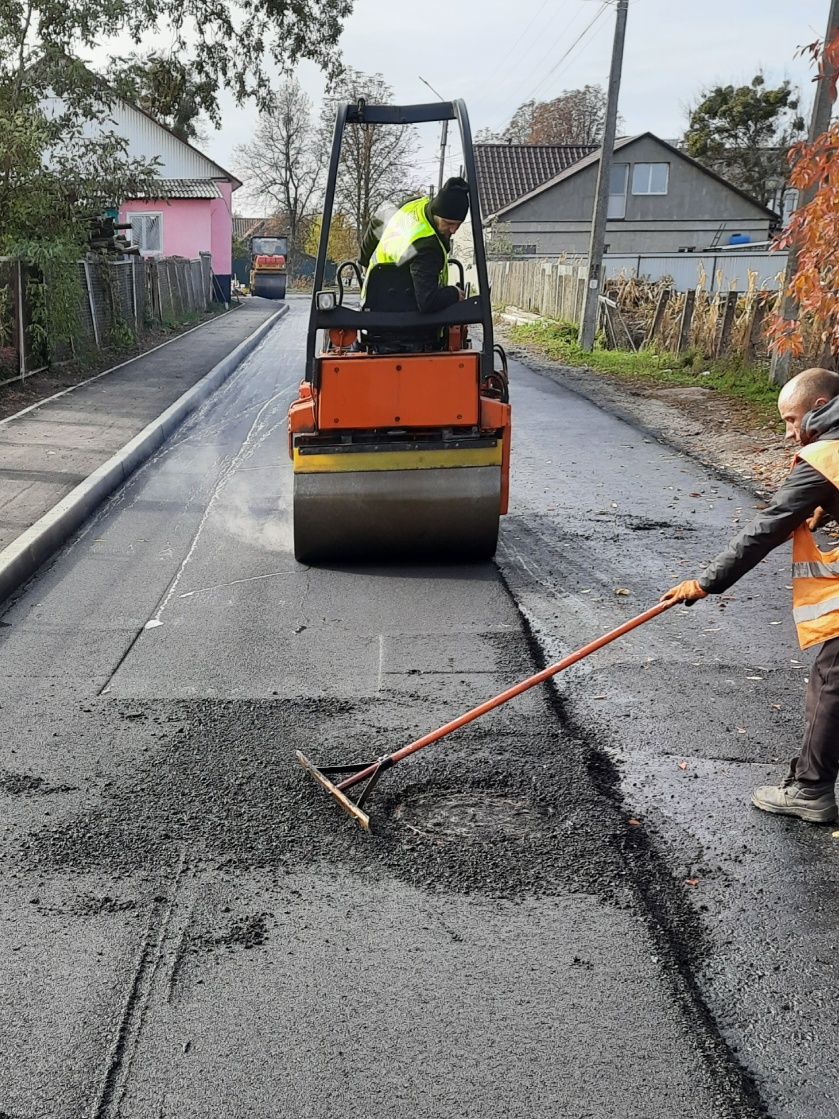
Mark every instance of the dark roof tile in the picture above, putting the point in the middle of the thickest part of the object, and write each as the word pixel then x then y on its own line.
pixel 509 171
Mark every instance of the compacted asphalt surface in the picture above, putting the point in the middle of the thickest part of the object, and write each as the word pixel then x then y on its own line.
pixel 568 910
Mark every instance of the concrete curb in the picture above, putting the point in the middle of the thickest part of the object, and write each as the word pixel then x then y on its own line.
pixel 21 559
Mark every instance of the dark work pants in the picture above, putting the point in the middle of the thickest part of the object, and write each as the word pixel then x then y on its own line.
pixel 819 757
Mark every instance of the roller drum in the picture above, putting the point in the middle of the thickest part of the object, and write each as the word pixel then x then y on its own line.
pixel 269 285
pixel 378 515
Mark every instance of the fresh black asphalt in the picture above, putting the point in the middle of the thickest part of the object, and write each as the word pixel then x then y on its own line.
pixel 553 918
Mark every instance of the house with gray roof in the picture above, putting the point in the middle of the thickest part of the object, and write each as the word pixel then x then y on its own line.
pixel 537 200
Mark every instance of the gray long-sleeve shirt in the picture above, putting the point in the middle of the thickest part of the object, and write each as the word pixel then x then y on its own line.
pixel 797 499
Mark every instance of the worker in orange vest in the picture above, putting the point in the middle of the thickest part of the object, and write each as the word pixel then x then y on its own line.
pixel 809 406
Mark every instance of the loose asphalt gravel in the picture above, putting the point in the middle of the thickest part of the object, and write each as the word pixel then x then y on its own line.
pixel 568 910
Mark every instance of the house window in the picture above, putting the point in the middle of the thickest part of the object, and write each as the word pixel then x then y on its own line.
pixel 147 232
pixel 650 178
pixel 617 191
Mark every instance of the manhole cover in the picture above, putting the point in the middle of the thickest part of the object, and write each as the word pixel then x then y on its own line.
pixel 469 815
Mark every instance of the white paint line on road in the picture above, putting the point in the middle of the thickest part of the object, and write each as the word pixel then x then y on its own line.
pixel 381 662
pixel 236 583
pixel 227 472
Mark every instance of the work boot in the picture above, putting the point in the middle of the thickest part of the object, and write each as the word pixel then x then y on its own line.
pixel 815 803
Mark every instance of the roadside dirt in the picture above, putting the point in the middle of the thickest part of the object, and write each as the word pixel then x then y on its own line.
pixel 729 436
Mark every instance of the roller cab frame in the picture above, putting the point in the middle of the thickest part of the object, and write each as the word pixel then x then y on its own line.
pixel 399 456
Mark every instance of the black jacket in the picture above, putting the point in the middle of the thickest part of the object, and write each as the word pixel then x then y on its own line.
pixel 421 275
pixel 803 491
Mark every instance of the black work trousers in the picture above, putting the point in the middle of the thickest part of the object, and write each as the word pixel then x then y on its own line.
pixel 819 757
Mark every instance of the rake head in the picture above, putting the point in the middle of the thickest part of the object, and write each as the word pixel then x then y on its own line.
pixel 368 773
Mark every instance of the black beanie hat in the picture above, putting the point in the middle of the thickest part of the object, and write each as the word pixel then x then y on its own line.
pixel 452 200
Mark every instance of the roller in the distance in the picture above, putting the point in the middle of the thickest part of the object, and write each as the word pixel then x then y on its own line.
pixel 268 267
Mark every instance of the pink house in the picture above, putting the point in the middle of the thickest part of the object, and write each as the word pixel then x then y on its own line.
pixel 196 213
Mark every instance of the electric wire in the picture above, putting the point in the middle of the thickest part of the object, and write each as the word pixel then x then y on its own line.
pixel 603 8
pixel 577 57
pixel 566 55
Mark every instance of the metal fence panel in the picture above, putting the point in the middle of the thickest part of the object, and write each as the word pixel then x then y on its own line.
pixel 131 292
pixel 197 284
pixel 734 271
pixel 10 355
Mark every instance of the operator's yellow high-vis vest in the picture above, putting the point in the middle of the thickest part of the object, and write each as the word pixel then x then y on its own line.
pixel 396 245
pixel 815 574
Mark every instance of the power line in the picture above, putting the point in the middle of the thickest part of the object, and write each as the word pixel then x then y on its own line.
pixel 591 40
pixel 515 77
pixel 605 5
pixel 563 35
pixel 528 25
pixel 568 25
pixel 539 38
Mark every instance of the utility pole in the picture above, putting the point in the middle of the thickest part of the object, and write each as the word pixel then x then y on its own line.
pixel 780 367
pixel 444 136
pixel 588 325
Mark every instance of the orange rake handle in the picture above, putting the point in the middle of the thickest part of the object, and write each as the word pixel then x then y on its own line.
pixel 510 693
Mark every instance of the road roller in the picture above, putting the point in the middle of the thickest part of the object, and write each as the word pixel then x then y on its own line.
pixel 406 455
pixel 268 266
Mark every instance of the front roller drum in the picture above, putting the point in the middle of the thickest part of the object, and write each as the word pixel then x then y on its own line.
pixel 269 285
pixel 380 515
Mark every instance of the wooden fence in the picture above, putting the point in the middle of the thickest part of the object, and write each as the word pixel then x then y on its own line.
pixel 550 288
pixel 640 313
pixel 635 315
pixel 118 299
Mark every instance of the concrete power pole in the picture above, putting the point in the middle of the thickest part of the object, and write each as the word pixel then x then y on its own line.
pixel 444 136
pixel 444 139
pixel 588 325
pixel 780 368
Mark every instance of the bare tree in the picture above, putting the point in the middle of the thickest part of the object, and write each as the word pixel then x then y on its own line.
pixel 283 164
pixel 576 116
pixel 521 124
pixel 376 160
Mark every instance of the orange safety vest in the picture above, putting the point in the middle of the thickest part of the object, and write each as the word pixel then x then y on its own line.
pixel 815 574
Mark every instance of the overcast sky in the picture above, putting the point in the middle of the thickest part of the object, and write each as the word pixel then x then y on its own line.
pixel 497 55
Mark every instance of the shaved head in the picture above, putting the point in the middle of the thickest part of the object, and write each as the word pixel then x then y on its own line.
pixel 804 393
pixel 806 388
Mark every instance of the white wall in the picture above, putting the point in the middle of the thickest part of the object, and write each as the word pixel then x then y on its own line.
pixel 147 139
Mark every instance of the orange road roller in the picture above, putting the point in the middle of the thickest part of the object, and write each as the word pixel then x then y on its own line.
pixel 399 455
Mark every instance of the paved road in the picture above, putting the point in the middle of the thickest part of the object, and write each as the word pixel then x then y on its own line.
pixel 190 929
pixel 50 447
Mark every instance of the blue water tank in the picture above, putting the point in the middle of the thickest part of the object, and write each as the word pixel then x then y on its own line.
pixel 739 239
